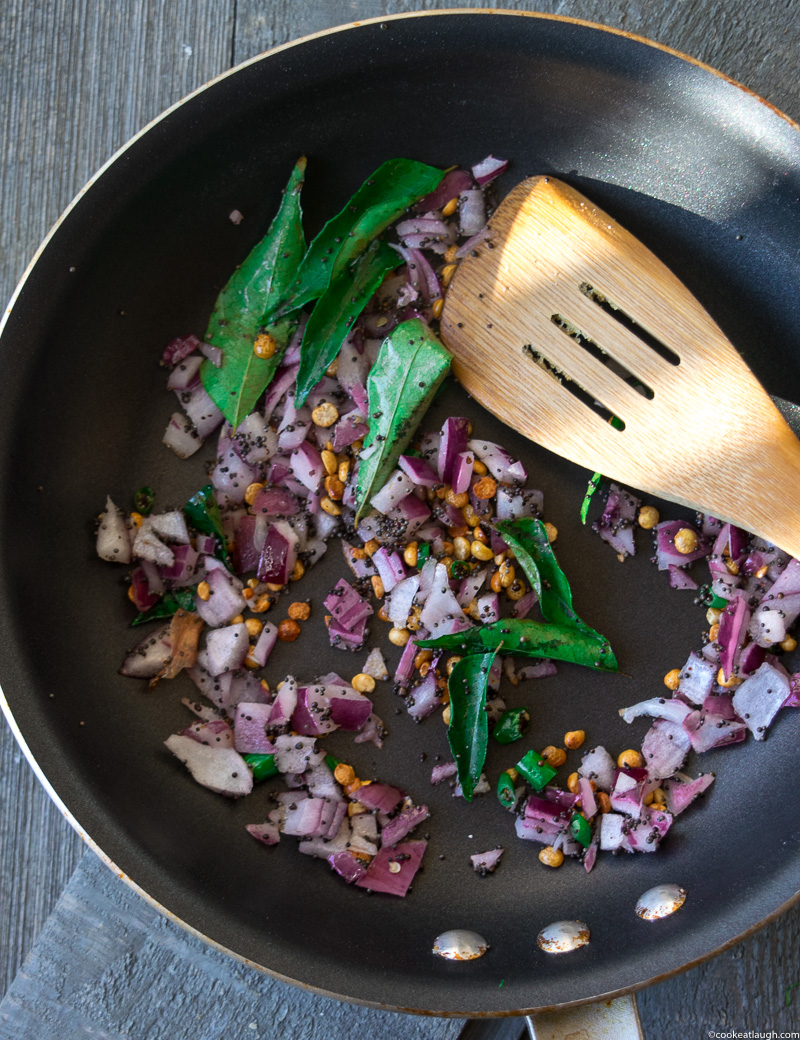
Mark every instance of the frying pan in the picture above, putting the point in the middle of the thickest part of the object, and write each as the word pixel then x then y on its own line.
pixel 707 175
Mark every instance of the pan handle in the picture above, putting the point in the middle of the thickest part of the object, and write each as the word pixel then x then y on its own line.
pixel 606 1020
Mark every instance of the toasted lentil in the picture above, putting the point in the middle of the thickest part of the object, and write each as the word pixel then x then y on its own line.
pixel 288 630
pixel 630 759
pixel 672 679
pixel 325 414
pixel 554 756
pixel 648 517
pixel 551 857
pixel 299 611
pixel 264 345
pixel 574 739
pixel 686 540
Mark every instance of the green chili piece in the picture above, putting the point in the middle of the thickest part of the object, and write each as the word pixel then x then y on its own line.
pixel 458 568
pixel 580 830
pixel 593 485
pixel 202 512
pixel 506 794
pixel 511 725
pixel 332 762
pixel 143 500
pixel 262 766
pixel 423 552
pixel 717 603
pixel 535 770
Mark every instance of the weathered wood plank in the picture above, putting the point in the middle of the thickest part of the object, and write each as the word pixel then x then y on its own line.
pixel 77 80
pixel 108 965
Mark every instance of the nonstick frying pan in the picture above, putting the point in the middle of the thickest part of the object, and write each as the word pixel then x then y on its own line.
pixel 707 175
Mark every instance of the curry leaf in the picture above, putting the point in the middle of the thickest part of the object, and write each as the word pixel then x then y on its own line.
pixel 524 638
pixel 410 367
pixel 468 732
pixel 336 311
pixel 254 288
pixel 528 538
pixel 380 200
pixel 169 604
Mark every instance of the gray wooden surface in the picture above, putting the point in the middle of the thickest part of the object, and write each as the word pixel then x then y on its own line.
pixel 77 78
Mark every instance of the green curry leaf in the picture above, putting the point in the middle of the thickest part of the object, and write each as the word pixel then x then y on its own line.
pixel 468 732
pixel 380 200
pixel 410 367
pixel 253 289
pixel 335 313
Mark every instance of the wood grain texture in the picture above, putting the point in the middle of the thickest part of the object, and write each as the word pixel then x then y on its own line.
pixel 751 480
pixel 77 78
pixel 109 965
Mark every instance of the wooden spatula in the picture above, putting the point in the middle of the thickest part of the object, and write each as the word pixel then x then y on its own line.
pixel 566 327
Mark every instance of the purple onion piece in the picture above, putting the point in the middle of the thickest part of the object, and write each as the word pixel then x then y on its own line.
pixel 487 169
pixel 379 876
pixel 759 698
pixel 681 793
pixel 378 797
pixel 452 443
pixel 418 470
pixel 267 833
pixel 177 349
pixel 664 748
pixel 403 824
pixel 250 724
pixel 347 866
pixel 484 863
pixel 222 770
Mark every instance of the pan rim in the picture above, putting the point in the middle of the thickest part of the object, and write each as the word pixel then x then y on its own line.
pixel 6 708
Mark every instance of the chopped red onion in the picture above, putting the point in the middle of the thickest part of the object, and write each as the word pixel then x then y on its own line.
pixel 278 555
pixel 185 373
pixel 149 656
pixel 381 878
pixel 450 187
pixel 657 708
pixel 346 605
pixel 294 754
pixel 284 379
pixel 423 699
pixel 390 567
pixel 498 461
pixel 181 436
pixel 628 791
pixel 525 604
pixel 472 243
pixel 226 648
pixel 397 486
pixel 418 470
pixel 666 553
pixel 113 539
pixel 697 678
pixel 265 644
pixel 733 623
pixel 222 770
pixel 284 704
pixel 200 409
pixel 266 833
pixel 250 723
pixel 378 797
pixel 665 747
pixel 214 354
pixel 588 801
pixel 452 443
pixel 347 866
pixel 403 824
pixel 759 698
pixel 542 669
pixel 177 349
pixel 224 602
pixel 312 715
pixel 350 710
pixel 489 168
pixel 471 211
pixel 612 831
pixel 617 524
pixel 707 731
pixel 484 863
pixel 679 579
pixel 681 791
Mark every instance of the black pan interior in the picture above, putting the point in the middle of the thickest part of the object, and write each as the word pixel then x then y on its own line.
pixel 707 175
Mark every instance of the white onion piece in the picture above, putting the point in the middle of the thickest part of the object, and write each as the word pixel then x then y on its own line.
pixel 149 656
pixel 471 212
pixel 148 546
pixel 759 698
pixel 181 436
pixel 170 526
pixel 220 769
pixel 227 648
pixel 201 409
pixel 113 539
pixel 375 665
pixel 184 373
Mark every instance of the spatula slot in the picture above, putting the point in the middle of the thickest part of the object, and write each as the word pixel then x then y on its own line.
pixel 568 383
pixel 630 324
pixel 596 351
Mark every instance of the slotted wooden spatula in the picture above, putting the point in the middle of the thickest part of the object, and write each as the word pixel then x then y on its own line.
pixel 567 328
